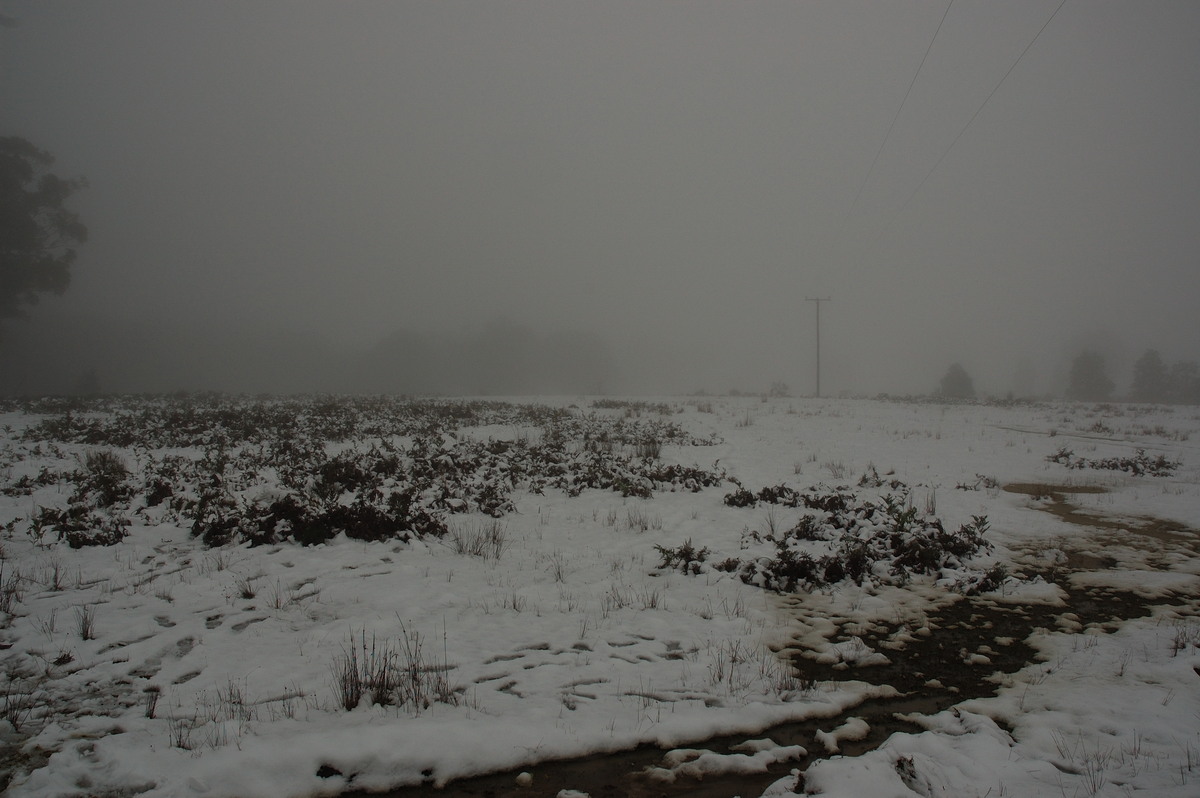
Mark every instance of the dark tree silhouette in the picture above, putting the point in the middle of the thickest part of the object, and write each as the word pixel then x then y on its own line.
pixel 38 235
pixel 1151 382
pixel 1088 381
pixel 957 384
pixel 1184 383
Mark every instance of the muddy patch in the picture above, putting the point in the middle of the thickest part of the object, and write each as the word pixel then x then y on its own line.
pixel 969 645
pixel 1155 532
pixel 1053 499
pixel 972 640
pixel 1042 490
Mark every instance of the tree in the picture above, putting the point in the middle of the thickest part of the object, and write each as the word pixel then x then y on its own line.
pixel 1150 378
pixel 956 384
pixel 1088 381
pixel 38 235
pixel 1184 383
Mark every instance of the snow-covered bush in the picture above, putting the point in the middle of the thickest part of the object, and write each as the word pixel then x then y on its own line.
pixel 846 538
pixel 308 469
pixel 95 514
pixel 1140 464
pixel 686 557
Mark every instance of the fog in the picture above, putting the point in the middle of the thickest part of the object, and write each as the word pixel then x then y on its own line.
pixel 619 196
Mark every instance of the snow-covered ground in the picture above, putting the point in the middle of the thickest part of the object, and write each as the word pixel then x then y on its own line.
pixel 164 667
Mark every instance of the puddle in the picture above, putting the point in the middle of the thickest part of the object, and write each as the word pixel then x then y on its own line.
pixel 1053 500
pixel 1083 561
pixel 1051 491
pixel 931 672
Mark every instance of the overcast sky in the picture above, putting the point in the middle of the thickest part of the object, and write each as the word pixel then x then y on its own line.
pixel 678 176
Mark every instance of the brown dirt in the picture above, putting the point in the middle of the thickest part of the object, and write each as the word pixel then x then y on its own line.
pixel 1053 500
pixel 1046 489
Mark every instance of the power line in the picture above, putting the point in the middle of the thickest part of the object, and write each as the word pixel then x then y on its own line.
pixel 907 91
pixel 971 120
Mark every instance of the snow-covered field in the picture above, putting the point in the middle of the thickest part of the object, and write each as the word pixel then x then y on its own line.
pixel 549 627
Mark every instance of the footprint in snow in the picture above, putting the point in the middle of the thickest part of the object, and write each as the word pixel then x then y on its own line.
pixel 240 626
pixel 184 646
pixel 187 677
pixel 150 668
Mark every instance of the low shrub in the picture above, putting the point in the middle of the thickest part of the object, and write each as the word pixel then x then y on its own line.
pixel 1140 464
pixel 741 498
pixel 266 474
pixel 847 538
pixel 686 557
pixel 95 514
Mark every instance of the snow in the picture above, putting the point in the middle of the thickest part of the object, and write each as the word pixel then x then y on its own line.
pixel 699 763
pixel 852 729
pixel 574 641
pixel 852 652
pixel 963 750
pixel 1106 715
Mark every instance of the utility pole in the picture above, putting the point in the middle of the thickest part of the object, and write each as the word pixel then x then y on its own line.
pixel 818 301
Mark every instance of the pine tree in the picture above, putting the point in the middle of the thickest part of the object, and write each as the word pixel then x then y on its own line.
pixel 1150 378
pixel 1088 381
pixel 957 384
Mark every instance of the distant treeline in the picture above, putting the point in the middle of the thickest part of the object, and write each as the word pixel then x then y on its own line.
pixel 127 356
pixel 1088 380
pixel 1154 381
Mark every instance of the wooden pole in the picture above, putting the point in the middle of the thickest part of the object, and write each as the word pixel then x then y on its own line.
pixel 818 301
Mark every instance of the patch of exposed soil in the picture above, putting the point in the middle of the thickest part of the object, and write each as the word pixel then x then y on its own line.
pixel 1040 490
pixel 1052 499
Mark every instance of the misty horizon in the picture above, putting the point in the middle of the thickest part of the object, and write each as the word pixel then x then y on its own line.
pixel 496 357
pixel 314 197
